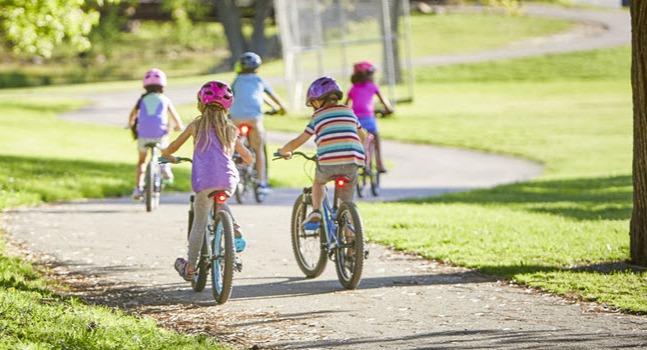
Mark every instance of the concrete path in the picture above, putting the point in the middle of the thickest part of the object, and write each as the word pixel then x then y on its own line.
pixel 112 252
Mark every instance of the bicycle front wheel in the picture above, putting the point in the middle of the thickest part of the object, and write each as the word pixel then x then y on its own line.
pixel 149 187
pixel 308 246
pixel 222 269
pixel 349 256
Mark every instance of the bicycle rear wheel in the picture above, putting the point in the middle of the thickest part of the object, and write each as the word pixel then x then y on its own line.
pixel 362 181
pixel 149 187
pixel 349 256
pixel 374 175
pixel 308 247
pixel 242 188
pixel 222 269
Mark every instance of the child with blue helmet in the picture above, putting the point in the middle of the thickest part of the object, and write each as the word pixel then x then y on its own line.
pixel 250 90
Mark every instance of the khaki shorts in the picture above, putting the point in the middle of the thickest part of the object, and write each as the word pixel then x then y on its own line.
pixel 326 173
pixel 143 141
pixel 256 135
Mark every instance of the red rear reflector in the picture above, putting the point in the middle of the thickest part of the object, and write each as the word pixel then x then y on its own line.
pixel 222 198
pixel 341 182
pixel 244 129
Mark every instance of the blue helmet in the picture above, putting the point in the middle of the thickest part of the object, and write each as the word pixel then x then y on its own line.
pixel 250 61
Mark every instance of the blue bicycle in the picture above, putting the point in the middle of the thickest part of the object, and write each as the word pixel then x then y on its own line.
pixel 338 237
pixel 219 247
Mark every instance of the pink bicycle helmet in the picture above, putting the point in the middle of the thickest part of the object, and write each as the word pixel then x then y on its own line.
pixel 322 87
pixel 154 77
pixel 364 66
pixel 216 92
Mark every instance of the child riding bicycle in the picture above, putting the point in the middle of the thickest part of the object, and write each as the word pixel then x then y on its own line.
pixel 150 124
pixel 361 97
pixel 250 89
pixel 339 138
pixel 214 140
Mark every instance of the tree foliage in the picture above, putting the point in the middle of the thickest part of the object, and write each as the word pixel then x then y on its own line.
pixel 35 27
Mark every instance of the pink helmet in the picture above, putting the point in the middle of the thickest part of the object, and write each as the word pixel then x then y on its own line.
pixel 322 87
pixel 216 92
pixel 364 66
pixel 154 77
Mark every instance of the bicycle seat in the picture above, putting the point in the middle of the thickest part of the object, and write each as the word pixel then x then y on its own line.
pixel 152 145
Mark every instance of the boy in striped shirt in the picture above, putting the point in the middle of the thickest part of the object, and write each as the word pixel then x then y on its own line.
pixel 339 138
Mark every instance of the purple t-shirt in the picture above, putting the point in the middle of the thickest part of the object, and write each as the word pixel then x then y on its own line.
pixel 153 117
pixel 362 96
pixel 212 167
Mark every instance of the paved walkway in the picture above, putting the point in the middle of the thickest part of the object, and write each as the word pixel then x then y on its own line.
pixel 112 252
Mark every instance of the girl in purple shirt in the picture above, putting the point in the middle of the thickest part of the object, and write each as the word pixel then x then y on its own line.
pixel 149 121
pixel 360 97
pixel 215 139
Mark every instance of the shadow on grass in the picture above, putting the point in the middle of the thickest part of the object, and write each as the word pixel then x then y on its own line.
pixel 601 198
pixel 26 179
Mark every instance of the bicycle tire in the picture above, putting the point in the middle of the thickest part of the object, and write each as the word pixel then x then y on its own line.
pixel 199 281
pixel 149 187
pixel 374 174
pixel 362 177
pixel 241 188
pixel 349 256
pixel 258 193
pixel 224 253
pixel 309 251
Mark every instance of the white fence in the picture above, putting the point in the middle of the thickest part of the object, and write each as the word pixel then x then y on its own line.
pixel 325 37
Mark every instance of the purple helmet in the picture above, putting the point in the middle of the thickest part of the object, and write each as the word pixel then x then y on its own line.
pixel 216 92
pixel 154 77
pixel 250 60
pixel 321 87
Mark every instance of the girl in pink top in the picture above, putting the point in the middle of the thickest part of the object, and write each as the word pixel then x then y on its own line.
pixel 360 97
pixel 215 139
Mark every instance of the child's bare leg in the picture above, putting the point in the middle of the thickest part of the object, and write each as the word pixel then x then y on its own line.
pixel 378 152
pixel 140 169
pixel 260 164
pixel 317 196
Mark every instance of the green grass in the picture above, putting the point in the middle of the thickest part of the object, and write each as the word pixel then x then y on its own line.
pixel 33 317
pixel 566 232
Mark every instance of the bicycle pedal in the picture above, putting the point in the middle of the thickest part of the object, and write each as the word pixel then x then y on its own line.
pixel 238 264
pixel 366 254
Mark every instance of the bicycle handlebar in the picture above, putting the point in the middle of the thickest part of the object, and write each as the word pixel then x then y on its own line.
pixel 296 153
pixel 163 160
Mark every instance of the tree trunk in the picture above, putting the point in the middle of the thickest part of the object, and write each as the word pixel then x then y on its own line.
pixel 229 16
pixel 259 42
pixel 638 226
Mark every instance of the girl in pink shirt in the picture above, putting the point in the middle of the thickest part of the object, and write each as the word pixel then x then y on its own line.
pixel 360 97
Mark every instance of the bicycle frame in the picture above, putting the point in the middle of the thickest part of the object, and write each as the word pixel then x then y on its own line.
pixel 329 219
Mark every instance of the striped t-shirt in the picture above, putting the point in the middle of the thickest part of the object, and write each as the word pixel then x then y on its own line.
pixel 335 130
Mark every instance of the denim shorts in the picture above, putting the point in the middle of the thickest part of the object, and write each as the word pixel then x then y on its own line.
pixel 369 124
